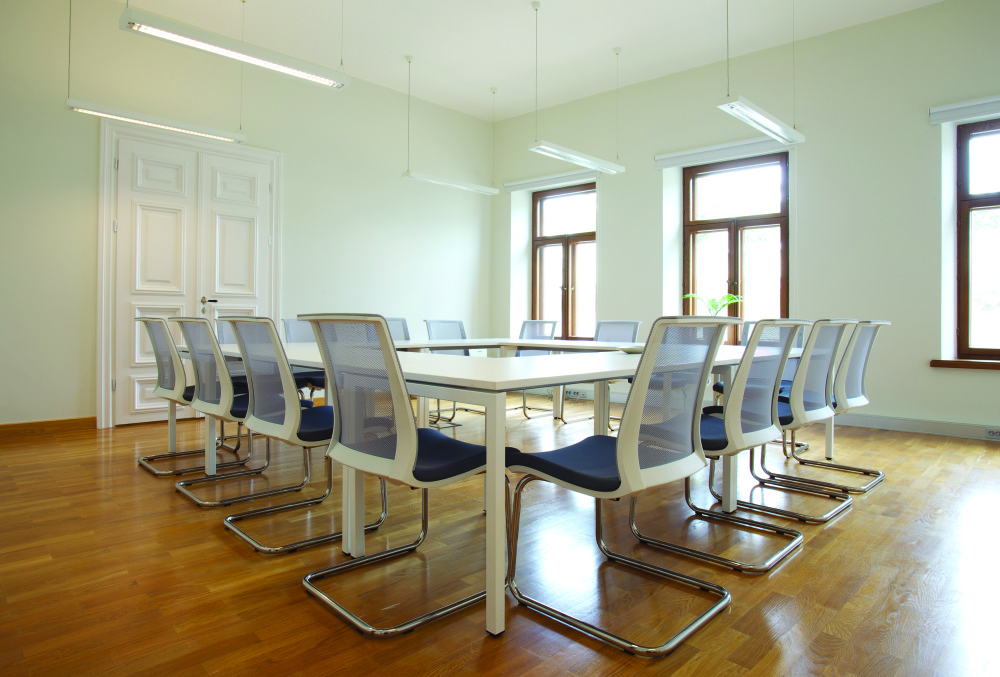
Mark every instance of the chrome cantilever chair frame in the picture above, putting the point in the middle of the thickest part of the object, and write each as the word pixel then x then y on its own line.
pixel 738 441
pixel 171 386
pixel 848 392
pixel 288 430
pixel 364 374
pixel 653 447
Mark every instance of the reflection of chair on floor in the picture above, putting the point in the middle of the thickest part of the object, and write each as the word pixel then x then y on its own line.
pixel 848 390
pixel 539 330
pixel 654 446
pixel 613 331
pixel 746 421
pixel 274 408
pixel 808 399
pixel 448 329
pixel 171 385
pixel 297 331
pixel 365 382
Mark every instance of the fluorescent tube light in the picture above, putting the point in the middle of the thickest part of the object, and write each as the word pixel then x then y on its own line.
pixel 760 119
pixel 475 188
pixel 151 121
pixel 576 157
pixel 190 36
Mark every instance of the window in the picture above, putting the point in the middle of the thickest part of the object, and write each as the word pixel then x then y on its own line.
pixel 736 235
pixel 978 240
pixel 564 259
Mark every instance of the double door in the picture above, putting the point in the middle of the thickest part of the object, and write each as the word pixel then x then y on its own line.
pixel 193 237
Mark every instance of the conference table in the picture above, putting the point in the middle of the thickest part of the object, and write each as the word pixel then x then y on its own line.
pixel 485 381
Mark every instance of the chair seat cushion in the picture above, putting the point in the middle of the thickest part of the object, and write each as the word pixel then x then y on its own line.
pixel 440 457
pixel 188 394
pixel 719 387
pixel 784 413
pixel 316 424
pixel 591 463
pixel 713 432
pixel 241 403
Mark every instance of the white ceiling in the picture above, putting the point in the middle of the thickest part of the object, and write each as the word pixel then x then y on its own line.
pixel 462 48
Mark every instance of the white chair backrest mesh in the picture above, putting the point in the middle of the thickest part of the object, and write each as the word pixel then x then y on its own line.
pixel 850 389
pixel 814 368
pixel 164 351
pixel 298 331
pixel 619 331
pixel 260 359
pixel 446 329
pixel 398 329
pixel 539 330
pixel 766 348
pixel 364 404
pixel 200 340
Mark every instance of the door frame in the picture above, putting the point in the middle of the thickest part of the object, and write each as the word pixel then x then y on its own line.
pixel 111 133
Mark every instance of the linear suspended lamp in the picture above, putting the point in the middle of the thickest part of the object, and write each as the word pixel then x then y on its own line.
pixel 576 157
pixel 151 121
pixel 190 36
pixel 428 178
pixel 757 117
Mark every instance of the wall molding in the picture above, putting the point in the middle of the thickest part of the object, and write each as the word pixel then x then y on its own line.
pixel 9 431
pixel 972 431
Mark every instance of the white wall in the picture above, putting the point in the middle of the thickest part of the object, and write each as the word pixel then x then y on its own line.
pixel 357 236
pixel 866 231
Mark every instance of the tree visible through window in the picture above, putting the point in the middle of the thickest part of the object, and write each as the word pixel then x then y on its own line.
pixel 564 259
pixel 736 235
pixel 978 240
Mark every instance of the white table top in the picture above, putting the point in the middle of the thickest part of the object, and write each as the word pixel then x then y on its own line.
pixel 542 344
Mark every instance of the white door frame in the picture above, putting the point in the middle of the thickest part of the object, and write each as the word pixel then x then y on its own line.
pixel 111 133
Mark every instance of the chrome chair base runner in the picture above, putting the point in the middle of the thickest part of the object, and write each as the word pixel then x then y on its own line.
pixel 592 630
pixel 844 500
pixel 799 447
pixel 230 522
pixel 359 623
pixel 704 513
pixel 146 462
pixel 182 486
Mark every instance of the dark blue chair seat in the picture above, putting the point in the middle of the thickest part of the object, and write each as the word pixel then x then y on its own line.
pixel 241 402
pixel 590 463
pixel 440 457
pixel 316 424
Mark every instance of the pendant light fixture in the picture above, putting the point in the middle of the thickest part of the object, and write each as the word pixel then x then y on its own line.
pixel 129 116
pixel 196 38
pixel 755 116
pixel 561 152
pixel 428 178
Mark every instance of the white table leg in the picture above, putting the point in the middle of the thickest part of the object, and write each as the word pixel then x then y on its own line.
pixel 829 438
pixel 729 473
pixel 496 513
pixel 171 426
pixel 210 446
pixel 557 401
pixel 602 407
pixel 353 540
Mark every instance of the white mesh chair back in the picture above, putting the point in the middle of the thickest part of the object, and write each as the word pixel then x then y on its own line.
pixel 398 329
pixel 811 395
pixel 542 330
pixel 849 386
pixel 274 409
pixel 213 393
pixel 755 385
pixel 617 331
pixel 170 380
pixel 297 331
pixel 659 440
pixel 446 329
pixel 374 430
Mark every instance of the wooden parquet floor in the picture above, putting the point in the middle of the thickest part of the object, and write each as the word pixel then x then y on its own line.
pixel 106 570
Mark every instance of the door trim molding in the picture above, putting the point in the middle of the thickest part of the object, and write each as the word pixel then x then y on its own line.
pixel 111 133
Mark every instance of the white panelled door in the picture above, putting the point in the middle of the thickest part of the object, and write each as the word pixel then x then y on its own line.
pixel 193 238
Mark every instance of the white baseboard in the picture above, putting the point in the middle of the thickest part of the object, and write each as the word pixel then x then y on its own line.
pixel 909 425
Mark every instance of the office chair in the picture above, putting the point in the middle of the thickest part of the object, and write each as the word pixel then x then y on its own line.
pixel 448 329
pixel 543 330
pixel 312 380
pixel 611 331
pixel 608 467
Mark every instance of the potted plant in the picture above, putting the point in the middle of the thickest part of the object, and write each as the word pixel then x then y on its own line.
pixel 715 306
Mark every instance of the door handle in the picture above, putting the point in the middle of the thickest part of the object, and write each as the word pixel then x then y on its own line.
pixel 206 300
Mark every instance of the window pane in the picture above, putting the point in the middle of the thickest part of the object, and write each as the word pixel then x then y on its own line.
pixel 585 289
pixel 565 214
pixel 738 192
pixel 984 163
pixel 711 267
pixel 984 283
pixel 550 270
pixel 760 249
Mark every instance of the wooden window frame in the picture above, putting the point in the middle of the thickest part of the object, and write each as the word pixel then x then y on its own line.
pixel 568 243
pixel 734 225
pixel 966 204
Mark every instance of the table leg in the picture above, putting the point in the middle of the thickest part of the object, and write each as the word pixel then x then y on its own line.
pixel 210 446
pixel 829 438
pixel 496 513
pixel 602 407
pixel 353 540
pixel 557 401
pixel 729 467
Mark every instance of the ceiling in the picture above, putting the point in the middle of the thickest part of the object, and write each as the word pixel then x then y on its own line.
pixel 462 48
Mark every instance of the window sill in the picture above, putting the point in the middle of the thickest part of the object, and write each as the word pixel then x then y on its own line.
pixel 991 365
